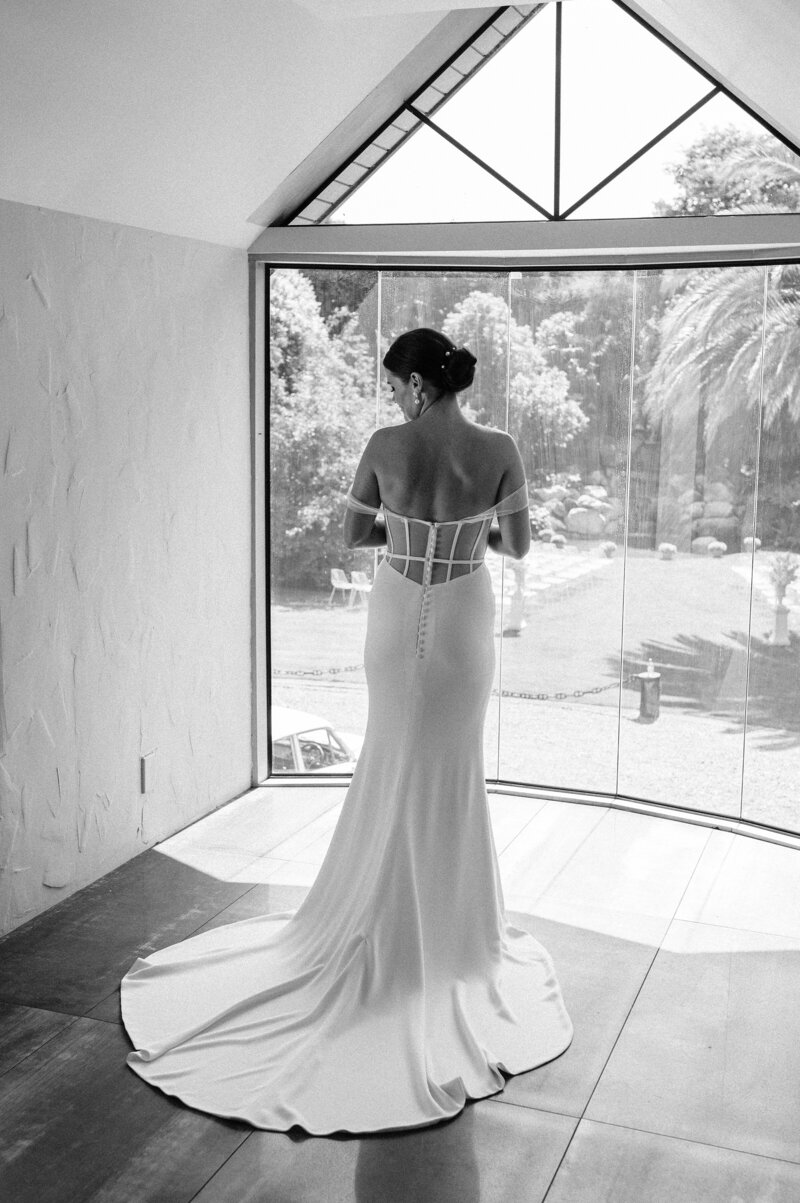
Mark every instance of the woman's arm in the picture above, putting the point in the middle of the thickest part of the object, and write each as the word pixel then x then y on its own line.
pixel 365 529
pixel 361 530
pixel 512 535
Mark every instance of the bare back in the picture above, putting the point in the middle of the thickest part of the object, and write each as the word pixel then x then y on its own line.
pixel 443 467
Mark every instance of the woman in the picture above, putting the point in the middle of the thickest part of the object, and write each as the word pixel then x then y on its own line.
pixel 397 991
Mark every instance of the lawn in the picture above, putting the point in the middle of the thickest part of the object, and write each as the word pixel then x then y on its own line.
pixel 692 615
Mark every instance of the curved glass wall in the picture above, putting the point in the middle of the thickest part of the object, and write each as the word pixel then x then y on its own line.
pixel 649 644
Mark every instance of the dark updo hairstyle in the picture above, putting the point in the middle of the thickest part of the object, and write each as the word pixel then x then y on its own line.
pixel 430 353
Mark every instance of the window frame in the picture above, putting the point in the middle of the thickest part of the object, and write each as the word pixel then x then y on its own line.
pixel 631 243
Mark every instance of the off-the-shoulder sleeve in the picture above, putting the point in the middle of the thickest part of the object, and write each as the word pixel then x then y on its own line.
pixel 360 508
pixel 514 502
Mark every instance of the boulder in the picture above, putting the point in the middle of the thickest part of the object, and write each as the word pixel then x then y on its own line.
pixel 556 508
pixel 717 509
pixel 588 523
pixel 598 491
pixel 718 491
pixel 726 529
pixel 701 545
pixel 550 493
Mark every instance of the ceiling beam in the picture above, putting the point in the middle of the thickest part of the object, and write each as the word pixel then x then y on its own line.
pixel 744 237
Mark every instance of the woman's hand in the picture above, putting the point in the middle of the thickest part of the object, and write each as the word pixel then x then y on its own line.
pixel 362 530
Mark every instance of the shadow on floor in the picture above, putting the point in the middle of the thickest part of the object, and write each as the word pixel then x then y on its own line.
pixel 712 676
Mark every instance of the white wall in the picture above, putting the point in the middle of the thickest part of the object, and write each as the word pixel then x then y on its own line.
pixel 124 544
pixel 178 115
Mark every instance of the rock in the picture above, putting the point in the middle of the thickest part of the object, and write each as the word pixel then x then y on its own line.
pixel 701 545
pixel 598 491
pixel 550 493
pixel 725 529
pixel 718 491
pixel 696 509
pixel 556 508
pixel 717 509
pixel 589 524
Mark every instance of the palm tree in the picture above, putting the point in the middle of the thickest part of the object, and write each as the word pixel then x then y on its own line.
pixel 735 332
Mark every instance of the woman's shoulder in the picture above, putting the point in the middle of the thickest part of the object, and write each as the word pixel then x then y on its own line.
pixel 499 443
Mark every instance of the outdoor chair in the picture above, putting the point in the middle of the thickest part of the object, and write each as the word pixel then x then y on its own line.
pixel 361 586
pixel 339 581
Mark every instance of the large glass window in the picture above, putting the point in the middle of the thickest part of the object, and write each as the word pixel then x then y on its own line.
pixel 649 644
pixel 556 111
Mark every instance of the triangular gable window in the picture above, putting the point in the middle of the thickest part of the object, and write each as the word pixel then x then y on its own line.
pixel 561 110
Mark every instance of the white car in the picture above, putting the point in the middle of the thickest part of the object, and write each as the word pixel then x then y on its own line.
pixel 306 743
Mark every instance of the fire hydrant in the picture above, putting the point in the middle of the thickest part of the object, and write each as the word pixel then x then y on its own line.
pixel 650 695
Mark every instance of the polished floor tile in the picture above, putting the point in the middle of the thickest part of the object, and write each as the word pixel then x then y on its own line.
pixel 25 1029
pixel 630 863
pixel 531 862
pixel 745 883
pixel 72 956
pixel 77 1125
pixel 510 816
pixel 599 978
pixel 684 1063
pixel 269 871
pixel 259 821
pixel 295 845
pixel 711 1051
pixel 606 1164
pixel 259 900
pixel 488 1154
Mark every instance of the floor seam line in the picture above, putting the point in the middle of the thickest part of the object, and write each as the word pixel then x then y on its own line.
pixel 692 1140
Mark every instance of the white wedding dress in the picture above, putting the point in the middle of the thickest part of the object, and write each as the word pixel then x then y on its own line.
pixel 397 991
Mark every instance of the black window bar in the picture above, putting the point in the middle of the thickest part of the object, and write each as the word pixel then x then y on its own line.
pixel 448 79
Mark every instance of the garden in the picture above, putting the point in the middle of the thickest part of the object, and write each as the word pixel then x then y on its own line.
pixel 657 414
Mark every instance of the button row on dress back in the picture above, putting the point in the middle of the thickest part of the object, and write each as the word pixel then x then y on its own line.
pixel 430 550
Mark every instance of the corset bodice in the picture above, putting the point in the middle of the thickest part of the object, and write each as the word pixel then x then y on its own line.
pixel 432 553
pixel 435 552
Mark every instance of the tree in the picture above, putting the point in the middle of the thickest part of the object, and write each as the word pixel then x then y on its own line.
pixel 731 337
pixel 730 171
pixel 542 415
pixel 321 409
pixel 718 320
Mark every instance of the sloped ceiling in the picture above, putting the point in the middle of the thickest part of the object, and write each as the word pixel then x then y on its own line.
pixel 205 118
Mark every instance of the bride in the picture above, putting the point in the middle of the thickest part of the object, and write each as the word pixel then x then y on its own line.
pixel 397 991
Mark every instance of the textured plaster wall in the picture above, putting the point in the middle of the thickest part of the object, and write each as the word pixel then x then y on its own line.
pixel 124 544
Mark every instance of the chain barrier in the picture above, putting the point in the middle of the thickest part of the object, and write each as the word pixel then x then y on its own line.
pixel 315 672
pixel 505 693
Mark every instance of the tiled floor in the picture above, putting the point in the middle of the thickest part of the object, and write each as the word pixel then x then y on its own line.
pixel 678 951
